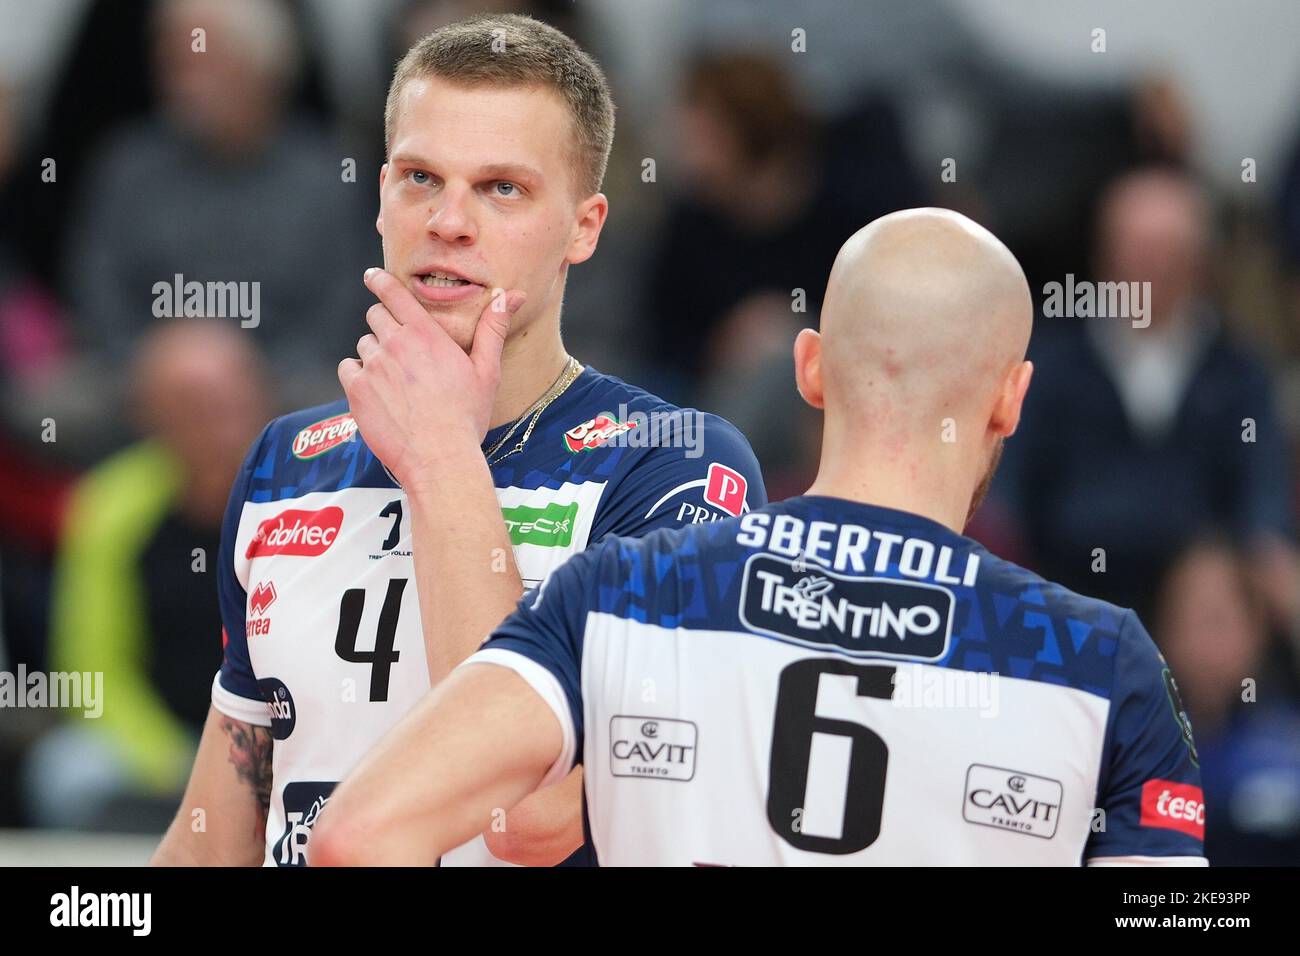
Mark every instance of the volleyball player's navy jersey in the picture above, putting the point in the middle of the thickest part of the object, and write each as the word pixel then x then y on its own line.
pixel 826 682
pixel 321 619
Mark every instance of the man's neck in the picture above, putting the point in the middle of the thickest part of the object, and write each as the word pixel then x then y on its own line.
pixel 937 487
pixel 530 364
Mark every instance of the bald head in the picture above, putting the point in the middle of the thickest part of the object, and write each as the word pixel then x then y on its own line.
pixel 919 364
pixel 924 315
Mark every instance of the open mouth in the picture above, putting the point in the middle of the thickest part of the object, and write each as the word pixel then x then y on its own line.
pixel 443 280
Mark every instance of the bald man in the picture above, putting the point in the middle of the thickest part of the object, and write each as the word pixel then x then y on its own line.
pixel 821 681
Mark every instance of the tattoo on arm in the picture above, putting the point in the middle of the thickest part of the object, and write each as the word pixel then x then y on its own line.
pixel 250 755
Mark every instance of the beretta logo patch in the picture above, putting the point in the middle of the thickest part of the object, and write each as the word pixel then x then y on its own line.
pixel 328 433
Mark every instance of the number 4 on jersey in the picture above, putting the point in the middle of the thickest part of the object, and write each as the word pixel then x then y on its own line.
pixel 383 657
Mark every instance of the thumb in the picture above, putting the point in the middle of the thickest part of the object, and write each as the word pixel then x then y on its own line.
pixel 493 327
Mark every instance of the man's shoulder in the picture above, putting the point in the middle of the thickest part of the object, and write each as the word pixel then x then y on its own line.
pixel 303 418
pixel 613 390
pixel 309 433
pixel 317 449
pixel 1064 635
pixel 632 575
pixel 665 428
pixel 626 436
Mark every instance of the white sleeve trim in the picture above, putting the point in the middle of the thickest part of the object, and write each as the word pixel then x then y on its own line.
pixel 1148 861
pixel 241 708
pixel 548 688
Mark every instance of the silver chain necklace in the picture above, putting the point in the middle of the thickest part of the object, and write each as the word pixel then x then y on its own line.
pixel 572 369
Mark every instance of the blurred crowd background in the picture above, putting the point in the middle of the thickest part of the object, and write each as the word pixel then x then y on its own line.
pixel 1155 467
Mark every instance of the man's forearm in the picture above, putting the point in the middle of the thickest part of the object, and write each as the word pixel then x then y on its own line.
pixel 464 566
pixel 543 829
pixel 472 749
pixel 222 817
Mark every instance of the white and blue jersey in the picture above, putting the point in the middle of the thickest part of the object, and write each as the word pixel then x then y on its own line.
pixel 322 632
pixel 822 682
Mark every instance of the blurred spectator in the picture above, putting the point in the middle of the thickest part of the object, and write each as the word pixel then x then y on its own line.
pixel 1242 706
pixel 756 212
pixel 754 386
pixel 1289 208
pixel 30 331
pixel 135 596
pixel 1162 122
pixel 102 84
pixel 1134 438
pixel 1051 150
pixel 224 187
pixel 1288 232
pixel 32 490
pixel 768 192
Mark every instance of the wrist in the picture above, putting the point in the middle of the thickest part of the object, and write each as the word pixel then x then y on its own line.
pixel 449 474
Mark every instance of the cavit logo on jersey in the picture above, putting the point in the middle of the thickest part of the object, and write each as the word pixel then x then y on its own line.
pixel 1012 800
pixel 723 488
pixel 658 748
pixel 809 605
pixel 303 802
pixel 296 532
pixel 595 432
pixel 548 527
pixel 1173 806
pixel 279 706
pixel 325 435
pixel 259 602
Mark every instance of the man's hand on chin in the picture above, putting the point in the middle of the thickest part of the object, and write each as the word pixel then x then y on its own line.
pixel 415 394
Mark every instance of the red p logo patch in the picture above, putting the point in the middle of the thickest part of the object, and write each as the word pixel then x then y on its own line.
pixel 726 489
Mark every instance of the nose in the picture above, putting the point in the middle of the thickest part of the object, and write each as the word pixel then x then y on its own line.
pixel 450 217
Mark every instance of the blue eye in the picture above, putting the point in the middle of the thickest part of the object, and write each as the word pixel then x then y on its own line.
pixel 513 189
pixel 418 172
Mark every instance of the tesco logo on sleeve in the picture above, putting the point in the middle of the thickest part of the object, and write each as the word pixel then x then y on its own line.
pixel 1173 806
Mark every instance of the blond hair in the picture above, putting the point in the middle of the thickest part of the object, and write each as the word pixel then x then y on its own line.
pixel 513 50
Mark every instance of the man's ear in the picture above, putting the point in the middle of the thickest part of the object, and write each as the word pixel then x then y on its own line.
pixel 1011 399
pixel 589 221
pixel 379 218
pixel 808 367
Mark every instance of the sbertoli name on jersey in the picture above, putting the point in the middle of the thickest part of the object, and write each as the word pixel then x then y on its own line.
pixel 799 591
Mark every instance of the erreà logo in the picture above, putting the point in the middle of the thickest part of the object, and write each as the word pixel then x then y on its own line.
pixel 296 532
pixel 315 440
pixel 595 432
pixel 548 527
pixel 807 604
pixel 263 597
